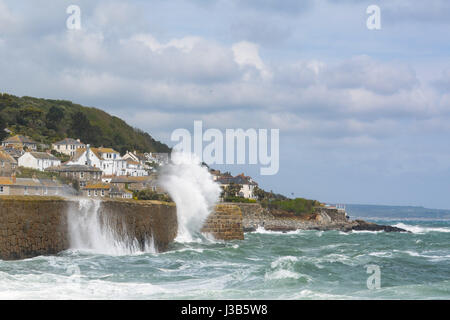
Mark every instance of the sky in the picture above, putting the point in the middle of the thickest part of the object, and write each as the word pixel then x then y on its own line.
pixel 364 115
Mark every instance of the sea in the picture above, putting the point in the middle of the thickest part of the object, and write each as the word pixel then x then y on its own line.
pixel 266 265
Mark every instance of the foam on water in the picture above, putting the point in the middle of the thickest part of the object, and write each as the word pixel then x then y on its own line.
pixel 420 229
pixel 274 266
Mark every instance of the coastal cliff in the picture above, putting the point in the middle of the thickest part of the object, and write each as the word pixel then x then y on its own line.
pixel 32 226
pixel 255 216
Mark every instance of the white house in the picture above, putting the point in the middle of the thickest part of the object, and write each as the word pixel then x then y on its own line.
pixel 106 159
pixel 38 160
pixel 68 146
pixel 135 169
pixel 247 184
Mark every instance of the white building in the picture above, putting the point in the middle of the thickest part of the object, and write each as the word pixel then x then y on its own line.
pixel 247 184
pixel 68 146
pixel 107 159
pixel 38 160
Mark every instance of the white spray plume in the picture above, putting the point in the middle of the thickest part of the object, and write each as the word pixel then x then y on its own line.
pixel 90 230
pixel 193 190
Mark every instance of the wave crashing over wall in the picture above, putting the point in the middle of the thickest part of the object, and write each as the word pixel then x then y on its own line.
pixel 192 188
pixel 91 229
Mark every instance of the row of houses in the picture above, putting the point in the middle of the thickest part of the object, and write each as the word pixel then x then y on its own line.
pixel 100 172
pixel 32 186
pixel 24 150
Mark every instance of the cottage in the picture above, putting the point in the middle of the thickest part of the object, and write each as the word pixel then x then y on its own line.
pixel 96 190
pixel 20 142
pixel 16 153
pixel 31 186
pixel 8 164
pixel 135 169
pixel 247 184
pixel 68 146
pixel 116 192
pixel 137 183
pixel 82 173
pixel 38 160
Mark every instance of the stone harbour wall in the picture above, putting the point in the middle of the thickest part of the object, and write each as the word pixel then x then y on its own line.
pixel 32 225
pixel 225 223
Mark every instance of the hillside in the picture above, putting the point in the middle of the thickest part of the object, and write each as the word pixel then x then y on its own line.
pixel 47 121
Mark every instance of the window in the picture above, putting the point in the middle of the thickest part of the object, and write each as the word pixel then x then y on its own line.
pixel 25 190
pixel 1 189
pixel 89 193
pixel 103 193
pixel 81 174
pixel 96 193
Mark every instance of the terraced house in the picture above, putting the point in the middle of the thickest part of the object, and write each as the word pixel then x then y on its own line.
pixel 38 160
pixel 82 173
pixel 31 187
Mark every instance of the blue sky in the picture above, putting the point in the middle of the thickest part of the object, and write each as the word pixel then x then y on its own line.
pixel 364 116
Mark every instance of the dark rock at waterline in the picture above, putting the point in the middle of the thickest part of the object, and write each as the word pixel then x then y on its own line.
pixel 280 228
pixel 362 225
pixel 249 229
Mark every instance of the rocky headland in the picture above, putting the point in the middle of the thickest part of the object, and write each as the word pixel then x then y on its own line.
pixel 255 216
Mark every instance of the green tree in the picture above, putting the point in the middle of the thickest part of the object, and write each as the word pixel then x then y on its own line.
pixel 3 133
pixel 231 190
pixel 53 117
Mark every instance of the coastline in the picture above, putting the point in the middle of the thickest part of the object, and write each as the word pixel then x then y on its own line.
pixel 324 219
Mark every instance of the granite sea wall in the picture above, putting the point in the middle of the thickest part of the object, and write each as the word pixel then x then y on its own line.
pixel 225 223
pixel 32 226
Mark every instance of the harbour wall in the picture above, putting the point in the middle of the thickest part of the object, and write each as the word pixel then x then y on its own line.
pixel 32 226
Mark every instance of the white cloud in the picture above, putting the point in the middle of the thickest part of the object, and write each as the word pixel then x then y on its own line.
pixel 247 54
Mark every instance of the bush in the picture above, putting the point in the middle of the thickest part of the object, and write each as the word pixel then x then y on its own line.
pixel 297 206
pixel 239 199
pixel 150 195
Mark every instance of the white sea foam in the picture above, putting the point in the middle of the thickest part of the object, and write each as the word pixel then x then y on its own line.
pixel 419 229
pixel 261 230
pixel 194 191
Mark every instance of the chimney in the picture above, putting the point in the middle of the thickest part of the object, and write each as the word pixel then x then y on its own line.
pixel 78 140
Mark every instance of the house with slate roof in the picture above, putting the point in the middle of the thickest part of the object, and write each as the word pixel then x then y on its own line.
pixel 20 142
pixel 68 146
pixel 38 160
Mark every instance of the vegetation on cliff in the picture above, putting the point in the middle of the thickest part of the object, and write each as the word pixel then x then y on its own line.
pixel 280 203
pixel 47 121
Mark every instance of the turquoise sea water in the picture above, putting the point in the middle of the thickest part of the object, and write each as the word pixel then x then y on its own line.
pixel 266 265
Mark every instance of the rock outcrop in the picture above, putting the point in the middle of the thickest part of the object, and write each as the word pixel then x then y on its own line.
pixel 255 216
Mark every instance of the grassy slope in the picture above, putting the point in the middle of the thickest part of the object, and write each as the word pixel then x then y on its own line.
pixel 107 130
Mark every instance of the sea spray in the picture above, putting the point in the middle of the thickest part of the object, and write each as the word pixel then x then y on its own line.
pixel 194 191
pixel 97 232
